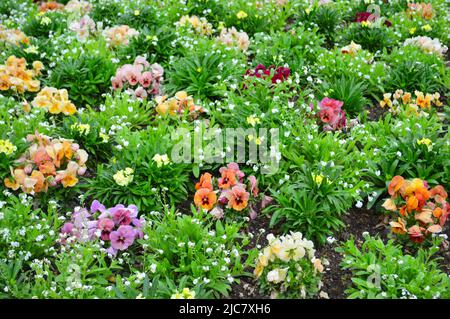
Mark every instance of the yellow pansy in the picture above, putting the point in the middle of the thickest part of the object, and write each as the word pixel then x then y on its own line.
pixel 241 15
pixel 253 120
pixel 7 147
pixel 427 28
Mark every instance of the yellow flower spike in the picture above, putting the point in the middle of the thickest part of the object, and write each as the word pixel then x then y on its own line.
pixel 137 12
pixel 427 28
pixel 412 30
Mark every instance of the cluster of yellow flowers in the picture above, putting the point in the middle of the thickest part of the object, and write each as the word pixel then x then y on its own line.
pixel 200 25
pixel 161 160
pixel 318 179
pixel 7 147
pixel 104 137
pixel 427 142
pixel 252 120
pixel 186 293
pixel 241 15
pixel 54 101
pixel 124 176
pixel 404 100
pixel 286 248
pixel 14 75
pixel 13 36
pixel 176 105
pixel 83 129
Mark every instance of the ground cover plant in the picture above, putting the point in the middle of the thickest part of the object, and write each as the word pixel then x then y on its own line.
pixel 188 149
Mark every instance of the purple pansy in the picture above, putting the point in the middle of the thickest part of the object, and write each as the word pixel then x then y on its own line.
pixel 123 237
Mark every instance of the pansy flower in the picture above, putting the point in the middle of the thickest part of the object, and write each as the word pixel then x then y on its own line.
pixel 205 198
pixel 205 182
pixel 238 198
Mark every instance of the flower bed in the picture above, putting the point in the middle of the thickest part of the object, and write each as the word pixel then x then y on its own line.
pixel 288 149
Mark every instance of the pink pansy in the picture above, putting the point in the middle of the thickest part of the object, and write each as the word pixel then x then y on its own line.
pixel 123 237
pixel 266 201
pixel 141 73
pixel 253 185
pixel 140 93
pixel 223 198
pixel 217 212
pixel 134 77
pixel 331 114
pixel 253 213
pixel 146 79
pixel 334 104
pixel 67 228
pixel 234 167
pixel 96 206
pixel 157 71
pixel 120 225
pixel 116 83
pixel 415 234
pixel 120 76
pixel 122 215
pixel 328 115
pixel 106 225
pixel 141 60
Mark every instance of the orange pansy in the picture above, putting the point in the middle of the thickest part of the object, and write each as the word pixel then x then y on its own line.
pixel 205 198
pixel 205 182
pixel 228 179
pixel 395 185
pixel 398 227
pixel 238 198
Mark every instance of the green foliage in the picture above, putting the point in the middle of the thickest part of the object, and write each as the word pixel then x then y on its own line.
pixel 206 253
pixel 136 150
pixel 296 48
pixel 202 74
pixel 86 78
pixel 383 271
pixel 420 71
pixel 349 91
pixel 371 39
pixel 309 206
pixel 396 141
pixel 43 25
